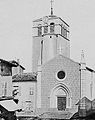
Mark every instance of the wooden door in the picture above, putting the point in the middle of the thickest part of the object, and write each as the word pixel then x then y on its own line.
pixel 61 103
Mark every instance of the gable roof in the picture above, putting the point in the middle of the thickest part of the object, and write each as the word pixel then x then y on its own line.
pixel 7 62
pixel 24 77
pixel 89 69
pixel 17 64
pixel 64 57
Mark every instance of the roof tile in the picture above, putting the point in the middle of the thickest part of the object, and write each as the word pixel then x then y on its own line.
pixel 25 77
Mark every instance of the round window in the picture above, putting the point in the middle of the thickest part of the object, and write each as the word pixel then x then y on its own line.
pixel 61 74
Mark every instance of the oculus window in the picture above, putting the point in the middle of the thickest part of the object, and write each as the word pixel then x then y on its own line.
pixel 61 75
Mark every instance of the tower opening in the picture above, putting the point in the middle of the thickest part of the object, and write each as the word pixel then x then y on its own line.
pixel 39 30
pixel 46 29
pixel 52 26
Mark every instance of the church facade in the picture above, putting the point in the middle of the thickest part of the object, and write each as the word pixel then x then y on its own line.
pixel 59 82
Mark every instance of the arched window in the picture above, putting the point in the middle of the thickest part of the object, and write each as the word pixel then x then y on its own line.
pixel 61 99
pixel 46 28
pixel 64 31
pixel 52 25
pixel 39 30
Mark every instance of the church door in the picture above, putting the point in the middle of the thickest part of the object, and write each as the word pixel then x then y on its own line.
pixel 61 103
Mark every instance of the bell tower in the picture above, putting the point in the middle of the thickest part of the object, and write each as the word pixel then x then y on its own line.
pixel 50 38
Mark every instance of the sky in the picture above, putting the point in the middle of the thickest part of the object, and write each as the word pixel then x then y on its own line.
pixel 16 18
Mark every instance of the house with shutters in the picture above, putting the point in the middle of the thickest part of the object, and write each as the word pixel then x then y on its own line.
pixel 7 103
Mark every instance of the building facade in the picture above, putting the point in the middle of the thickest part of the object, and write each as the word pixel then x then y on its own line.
pixel 7 103
pixel 59 82
pixel 24 88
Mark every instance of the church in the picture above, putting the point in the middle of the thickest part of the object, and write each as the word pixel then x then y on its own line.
pixel 57 83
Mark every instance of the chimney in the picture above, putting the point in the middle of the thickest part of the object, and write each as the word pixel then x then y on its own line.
pixel 18 67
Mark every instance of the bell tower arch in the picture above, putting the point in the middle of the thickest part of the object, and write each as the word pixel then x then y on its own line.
pixel 50 37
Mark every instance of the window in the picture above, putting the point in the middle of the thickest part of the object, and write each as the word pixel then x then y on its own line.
pixel 60 75
pixel 4 88
pixel 46 29
pixel 64 32
pixel 31 91
pixel 39 30
pixel 29 106
pixel 52 25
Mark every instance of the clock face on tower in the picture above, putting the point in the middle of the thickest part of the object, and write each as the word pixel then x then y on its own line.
pixel 45 19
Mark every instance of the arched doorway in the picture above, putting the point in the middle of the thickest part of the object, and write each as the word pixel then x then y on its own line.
pixel 60 97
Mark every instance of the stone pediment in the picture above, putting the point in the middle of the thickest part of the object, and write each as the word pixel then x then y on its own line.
pixel 60 58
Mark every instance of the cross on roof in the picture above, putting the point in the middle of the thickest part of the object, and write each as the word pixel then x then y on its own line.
pixel 52 6
pixel 60 49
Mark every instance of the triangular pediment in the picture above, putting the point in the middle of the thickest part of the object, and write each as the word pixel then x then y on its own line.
pixel 60 58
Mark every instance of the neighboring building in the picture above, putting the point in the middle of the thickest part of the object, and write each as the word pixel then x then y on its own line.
pixel 17 70
pixel 24 88
pixel 8 108
pixel 61 82
pixel 6 68
pixel 7 104
pixel 6 73
pixel 6 78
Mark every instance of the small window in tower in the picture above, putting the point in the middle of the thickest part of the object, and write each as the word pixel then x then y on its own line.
pixel 64 32
pixel 39 30
pixel 46 29
pixel 52 25
pixel 31 91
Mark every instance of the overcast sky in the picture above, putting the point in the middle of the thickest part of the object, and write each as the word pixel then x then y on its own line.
pixel 16 18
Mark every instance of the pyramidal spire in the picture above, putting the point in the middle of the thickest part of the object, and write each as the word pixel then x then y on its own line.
pixel 51 7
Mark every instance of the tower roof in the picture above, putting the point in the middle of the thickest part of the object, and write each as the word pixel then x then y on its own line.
pixel 51 17
pixel 8 63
